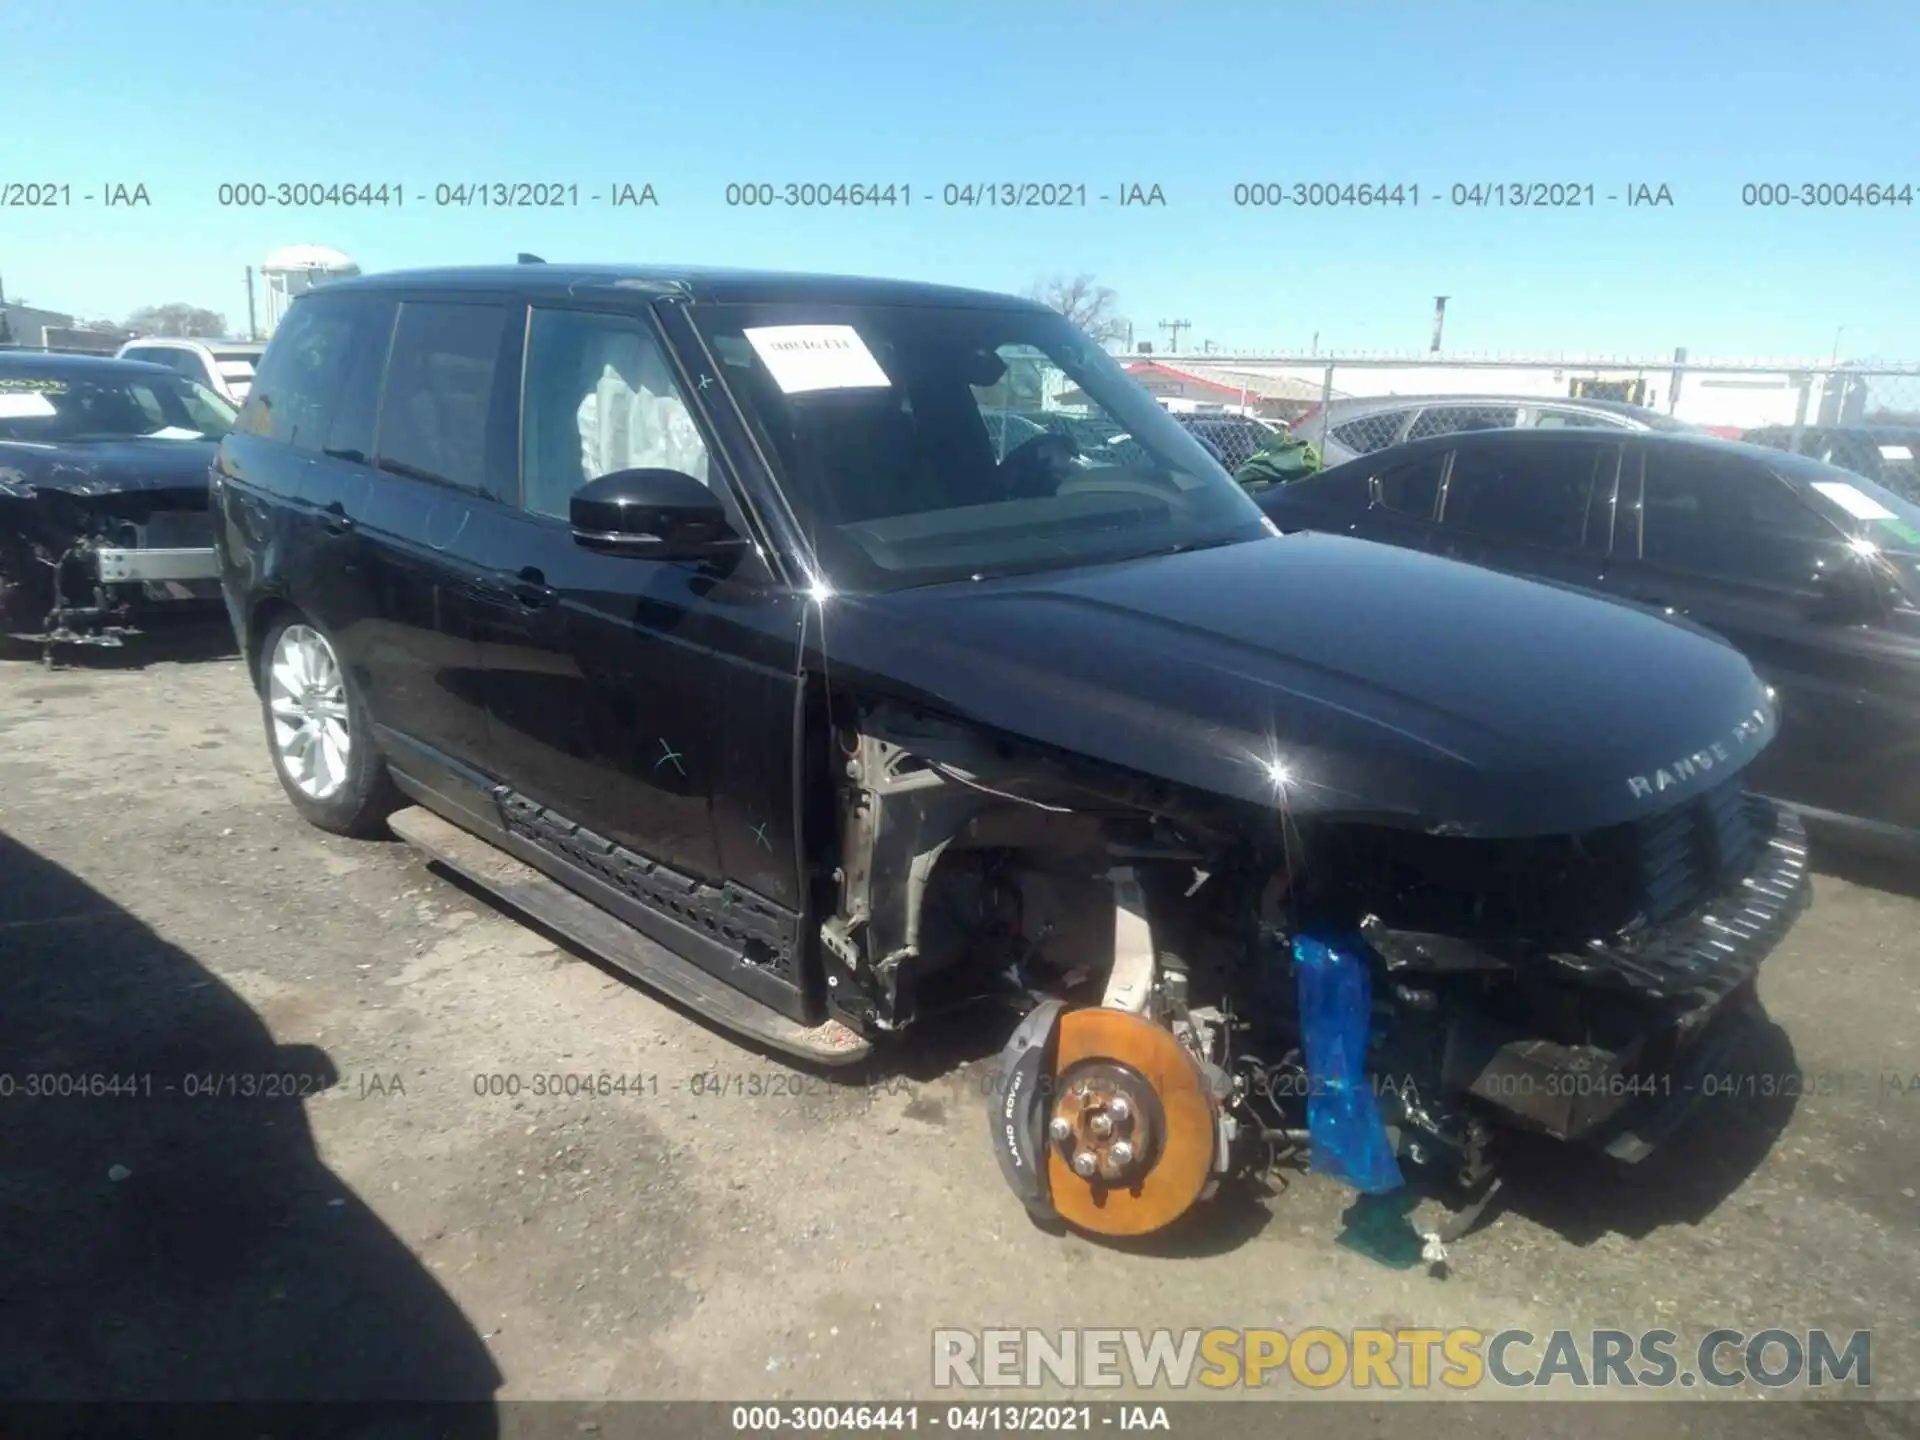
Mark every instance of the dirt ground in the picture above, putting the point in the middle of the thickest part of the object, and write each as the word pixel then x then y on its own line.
pixel 729 1227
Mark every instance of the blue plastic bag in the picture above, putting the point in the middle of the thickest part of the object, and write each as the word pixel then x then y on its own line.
pixel 1349 1138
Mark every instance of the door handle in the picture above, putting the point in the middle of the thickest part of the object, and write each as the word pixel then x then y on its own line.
pixel 337 521
pixel 530 588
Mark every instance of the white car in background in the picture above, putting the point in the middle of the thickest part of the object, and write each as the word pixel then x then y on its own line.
pixel 223 366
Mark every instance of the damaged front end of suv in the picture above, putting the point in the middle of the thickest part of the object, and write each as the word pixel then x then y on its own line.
pixel 104 515
pixel 1357 933
pixel 81 566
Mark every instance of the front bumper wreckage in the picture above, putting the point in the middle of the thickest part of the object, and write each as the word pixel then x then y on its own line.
pixel 118 566
pixel 1696 975
pixel 1631 1032
pixel 67 583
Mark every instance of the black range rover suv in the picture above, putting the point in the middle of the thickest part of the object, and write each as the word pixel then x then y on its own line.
pixel 711 619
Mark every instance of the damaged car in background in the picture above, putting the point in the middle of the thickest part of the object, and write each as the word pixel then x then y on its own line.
pixel 103 497
pixel 729 638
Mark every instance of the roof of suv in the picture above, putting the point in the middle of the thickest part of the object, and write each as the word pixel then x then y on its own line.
pixel 719 286
pixel 1507 435
pixel 50 365
pixel 203 342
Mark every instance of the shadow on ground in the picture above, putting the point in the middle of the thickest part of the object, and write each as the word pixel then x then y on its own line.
pixel 1583 1195
pixel 164 1235
pixel 187 639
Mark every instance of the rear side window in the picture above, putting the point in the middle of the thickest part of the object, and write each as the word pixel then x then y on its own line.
pixel 1708 515
pixel 1457 419
pixel 1367 433
pixel 442 416
pixel 356 409
pixel 1535 493
pixel 1411 489
pixel 293 391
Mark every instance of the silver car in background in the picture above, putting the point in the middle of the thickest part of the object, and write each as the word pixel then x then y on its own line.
pixel 1350 428
pixel 223 366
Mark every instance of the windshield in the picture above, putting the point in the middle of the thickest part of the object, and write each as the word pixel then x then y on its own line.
pixel 922 444
pixel 72 408
pixel 1887 523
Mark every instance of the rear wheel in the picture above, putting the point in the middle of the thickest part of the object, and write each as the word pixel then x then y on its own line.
pixel 319 734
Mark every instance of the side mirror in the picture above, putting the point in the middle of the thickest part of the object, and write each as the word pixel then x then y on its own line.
pixel 655 514
pixel 1845 592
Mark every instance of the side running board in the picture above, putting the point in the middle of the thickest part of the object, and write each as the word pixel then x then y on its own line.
pixel 588 926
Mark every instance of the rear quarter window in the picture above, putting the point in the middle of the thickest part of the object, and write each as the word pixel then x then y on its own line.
pixel 1411 488
pixel 1365 434
pixel 1458 419
pixel 293 392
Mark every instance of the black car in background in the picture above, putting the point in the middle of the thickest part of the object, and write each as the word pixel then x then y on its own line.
pixel 1813 571
pixel 708 618
pixel 1889 455
pixel 103 496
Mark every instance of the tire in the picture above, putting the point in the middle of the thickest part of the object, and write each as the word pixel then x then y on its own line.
pixel 319 733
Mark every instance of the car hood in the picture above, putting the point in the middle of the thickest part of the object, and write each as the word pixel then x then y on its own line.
pixel 106 467
pixel 1330 676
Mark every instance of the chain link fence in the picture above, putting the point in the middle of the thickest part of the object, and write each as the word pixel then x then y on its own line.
pixel 1233 438
pixel 1860 416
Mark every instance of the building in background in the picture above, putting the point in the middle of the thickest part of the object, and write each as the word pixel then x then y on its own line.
pixel 1724 394
pixel 26 325
pixel 85 340
pixel 1198 387
pixel 294 269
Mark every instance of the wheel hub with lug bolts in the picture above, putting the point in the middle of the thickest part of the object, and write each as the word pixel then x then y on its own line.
pixel 1099 1125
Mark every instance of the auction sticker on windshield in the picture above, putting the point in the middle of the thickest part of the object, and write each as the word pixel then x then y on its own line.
pixel 1854 501
pixel 20 404
pixel 817 357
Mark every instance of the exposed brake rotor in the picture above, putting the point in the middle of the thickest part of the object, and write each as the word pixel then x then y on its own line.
pixel 1130 1124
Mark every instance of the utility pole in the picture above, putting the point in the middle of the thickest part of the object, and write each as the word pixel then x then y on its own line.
pixel 253 330
pixel 1173 329
pixel 1439 319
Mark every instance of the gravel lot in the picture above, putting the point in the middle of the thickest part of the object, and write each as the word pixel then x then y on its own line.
pixel 164 912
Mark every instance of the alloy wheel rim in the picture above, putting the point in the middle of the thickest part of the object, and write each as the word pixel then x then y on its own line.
pixel 307 699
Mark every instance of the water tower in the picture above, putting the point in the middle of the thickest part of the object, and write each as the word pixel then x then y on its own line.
pixel 294 269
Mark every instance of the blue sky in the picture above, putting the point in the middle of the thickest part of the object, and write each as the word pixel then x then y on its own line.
pixel 1699 95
